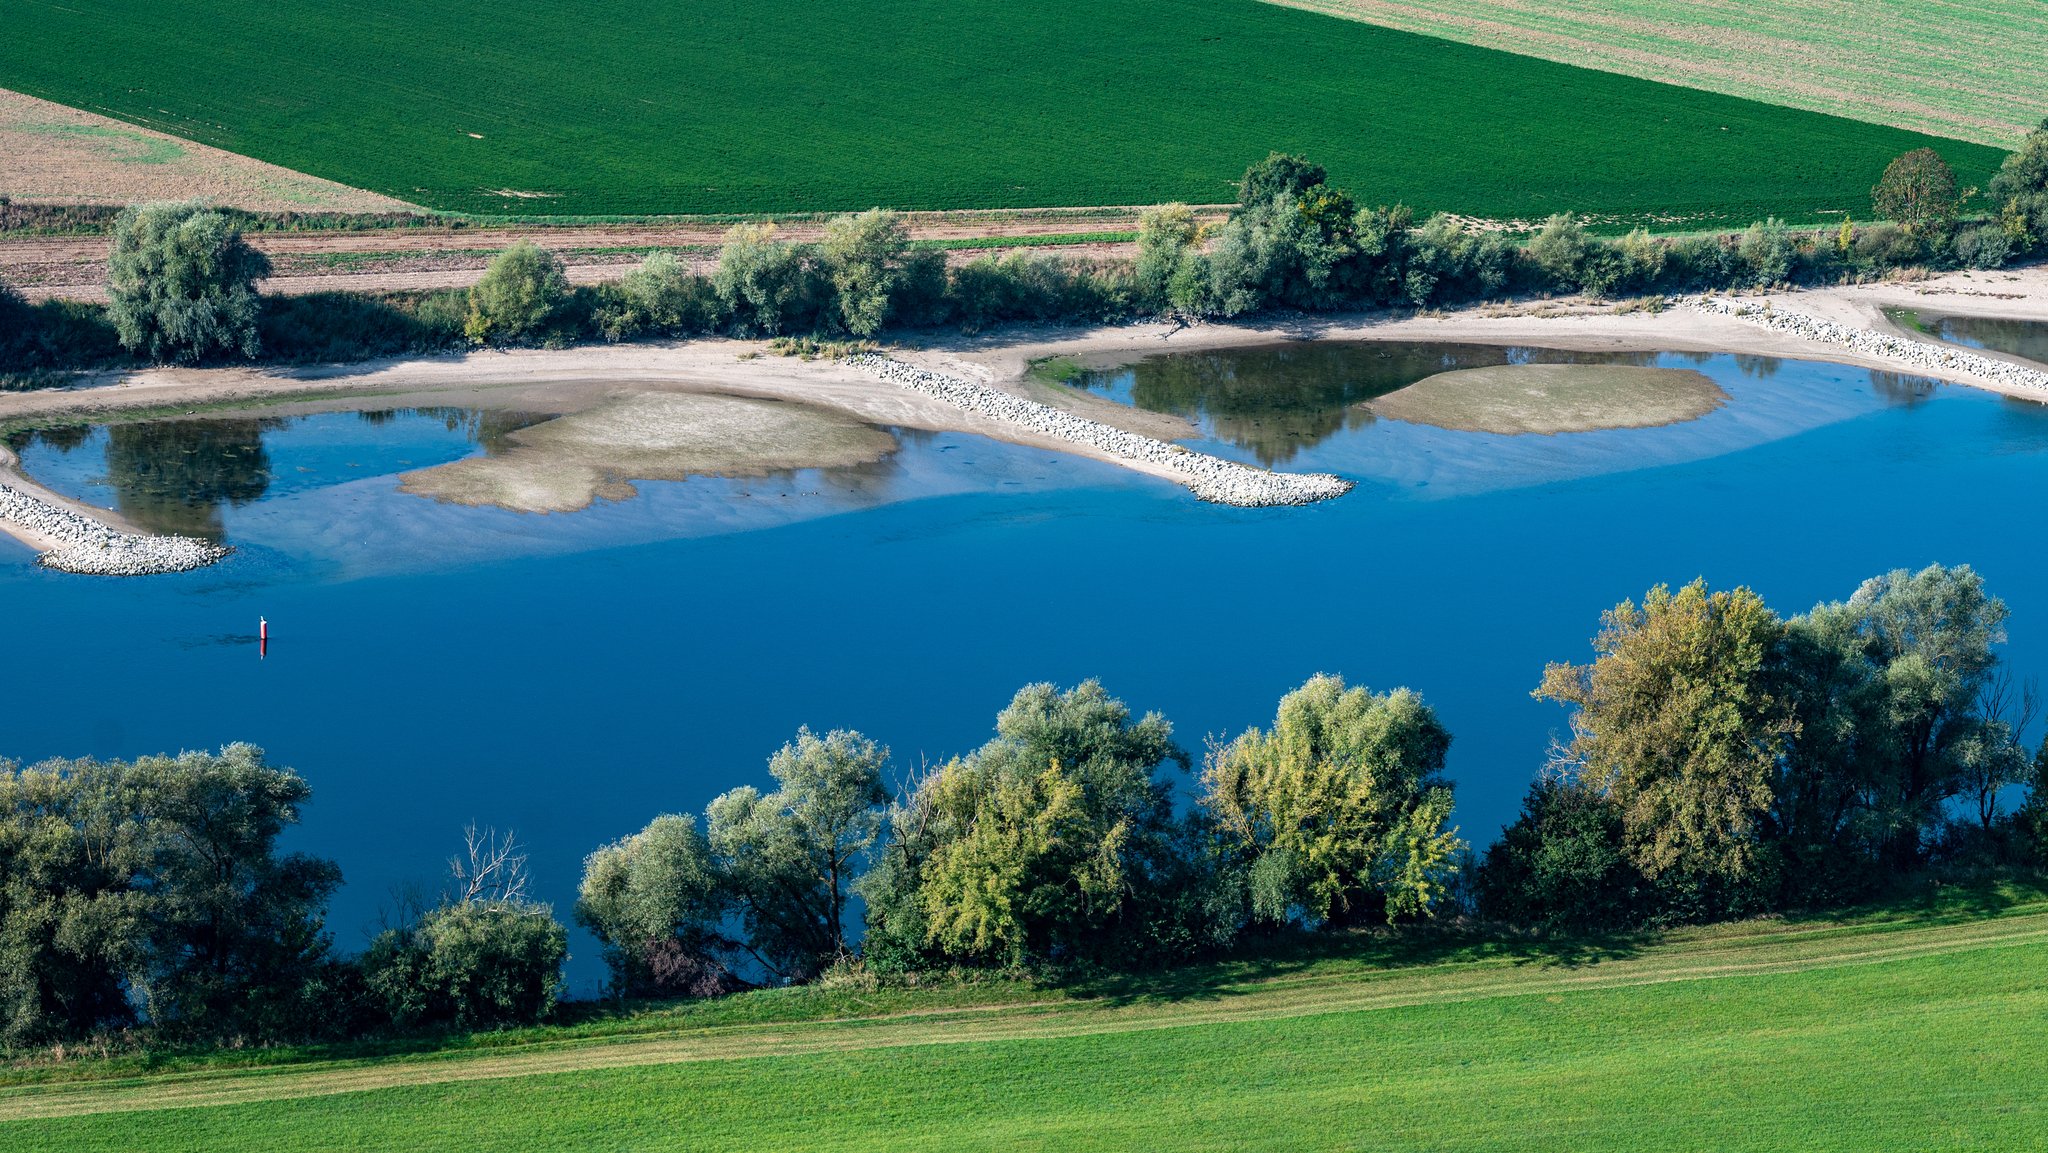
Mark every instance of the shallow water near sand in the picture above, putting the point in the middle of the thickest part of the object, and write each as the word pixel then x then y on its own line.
pixel 2023 338
pixel 573 675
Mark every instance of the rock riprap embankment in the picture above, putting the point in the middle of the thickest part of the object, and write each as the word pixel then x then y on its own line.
pixel 1919 353
pixel 84 545
pixel 1208 477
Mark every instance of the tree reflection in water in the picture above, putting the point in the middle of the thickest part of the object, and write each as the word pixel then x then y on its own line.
pixel 176 476
pixel 1278 400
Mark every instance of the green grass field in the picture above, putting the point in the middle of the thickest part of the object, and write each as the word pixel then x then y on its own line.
pixel 715 106
pixel 1964 68
pixel 1920 1030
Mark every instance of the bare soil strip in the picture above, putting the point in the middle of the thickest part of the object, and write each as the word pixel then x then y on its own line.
pixel 52 154
pixel 1776 949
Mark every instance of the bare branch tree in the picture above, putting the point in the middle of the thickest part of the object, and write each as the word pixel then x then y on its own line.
pixel 491 868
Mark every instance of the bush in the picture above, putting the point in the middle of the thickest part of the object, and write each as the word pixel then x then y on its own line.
pixel 342 326
pixel 655 899
pixel 1881 247
pixel 1766 253
pixel 1561 864
pixel 766 286
pixel 518 295
pixel 660 297
pixel 1698 262
pixel 481 964
pixel 863 256
pixel 1982 246
pixel 181 284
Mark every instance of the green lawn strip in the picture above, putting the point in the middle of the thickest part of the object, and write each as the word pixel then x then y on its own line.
pixel 787 106
pixel 1319 987
pixel 1935 1052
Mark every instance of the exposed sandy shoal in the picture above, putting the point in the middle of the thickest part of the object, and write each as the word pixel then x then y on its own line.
pixel 1547 399
pixel 60 155
pixel 566 463
pixel 578 379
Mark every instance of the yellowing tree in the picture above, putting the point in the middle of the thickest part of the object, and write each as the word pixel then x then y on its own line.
pixel 1676 720
pixel 1338 811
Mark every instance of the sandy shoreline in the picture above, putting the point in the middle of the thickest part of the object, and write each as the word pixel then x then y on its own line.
pixel 576 379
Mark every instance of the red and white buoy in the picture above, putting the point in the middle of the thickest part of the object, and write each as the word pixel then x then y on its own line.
pixel 262 629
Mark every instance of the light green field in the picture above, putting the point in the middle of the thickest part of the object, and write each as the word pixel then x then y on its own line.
pixel 1920 1031
pixel 1970 69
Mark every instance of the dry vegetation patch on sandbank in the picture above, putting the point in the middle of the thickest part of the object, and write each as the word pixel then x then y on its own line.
pixel 566 463
pixel 1547 399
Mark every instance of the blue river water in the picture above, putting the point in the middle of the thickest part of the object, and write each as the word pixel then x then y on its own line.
pixel 571 676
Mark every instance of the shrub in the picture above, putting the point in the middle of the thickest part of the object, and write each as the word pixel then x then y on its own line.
pixel 1766 252
pixel 1982 246
pixel 1561 864
pixel 518 295
pixel 1559 250
pixel 1886 246
pixel 1698 262
pixel 480 964
pixel 1168 237
pixel 863 256
pixel 767 286
pixel 341 326
pixel 660 297
pixel 181 284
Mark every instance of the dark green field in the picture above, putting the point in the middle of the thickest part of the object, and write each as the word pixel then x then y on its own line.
pixel 715 106
pixel 1920 1031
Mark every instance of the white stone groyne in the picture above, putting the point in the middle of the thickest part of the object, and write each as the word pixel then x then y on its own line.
pixel 87 546
pixel 1208 477
pixel 1919 353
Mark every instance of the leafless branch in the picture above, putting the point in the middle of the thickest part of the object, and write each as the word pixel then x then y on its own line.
pixel 491 868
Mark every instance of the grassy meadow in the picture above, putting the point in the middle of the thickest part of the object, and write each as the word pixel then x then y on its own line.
pixel 1912 1029
pixel 1970 69
pixel 712 106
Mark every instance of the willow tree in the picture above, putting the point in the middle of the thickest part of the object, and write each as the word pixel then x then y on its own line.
pixel 1339 811
pixel 181 284
pixel 1676 720
pixel 789 858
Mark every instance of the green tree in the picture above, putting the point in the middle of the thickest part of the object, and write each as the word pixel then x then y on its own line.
pixel 2026 169
pixel 1676 720
pixel 1929 637
pixel 865 257
pixel 765 285
pixel 181 284
pixel 655 900
pixel 1918 190
pixel 470 965
pixel 1767 251
pixel 1169 238
pixel 1029 872
pixel 1007 856
pixel 73 921
pixel 1279 174
pixel 518 295
pixel 789 858
pixel 1561 865
pixel 236 927
pixel 1337 813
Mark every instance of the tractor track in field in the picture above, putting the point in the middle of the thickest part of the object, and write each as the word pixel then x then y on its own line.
pixel 1780 950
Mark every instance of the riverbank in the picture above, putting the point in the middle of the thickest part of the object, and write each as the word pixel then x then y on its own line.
pixel 573 380
pixel 91 542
